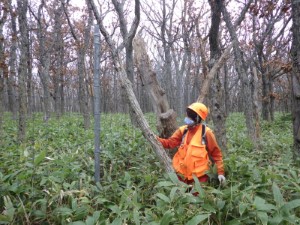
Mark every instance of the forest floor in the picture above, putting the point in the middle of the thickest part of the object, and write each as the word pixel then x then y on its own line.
pixel 49 179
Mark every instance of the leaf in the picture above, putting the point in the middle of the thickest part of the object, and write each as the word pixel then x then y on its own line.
pixel 197 219
pixel 90 221
pixel 220 204
pixel 174 178
pixel 277 219
pixel 209 208
pixel 77 223
pixel 9 208
pixel 136 217
pixel 263 217
pixel 39 158
pixel 96 215
pixel 233 222
pixel 64 211
pixel 163 197
pixel 260 204
pixel 242 208
pixel 277 195
pixel 117 221
pixel 292 204
pixel 198 187
pixel 4 219
pixel 167 218
pixel 115 209
pixel 174 192
pixel 164 184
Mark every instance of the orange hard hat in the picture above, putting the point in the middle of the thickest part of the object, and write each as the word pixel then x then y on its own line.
pixel 200 109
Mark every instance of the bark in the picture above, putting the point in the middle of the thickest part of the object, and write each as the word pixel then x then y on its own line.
pixel 166 117
pixel 58 75
pixel 216 67
pixel 167 42
pixel 22 70
pixel 295 50
pixel 29 83
pixel 3 66
pixel 97 126
pixel 11 82
pixel 127 87
pixel 256 105
pixel 217 100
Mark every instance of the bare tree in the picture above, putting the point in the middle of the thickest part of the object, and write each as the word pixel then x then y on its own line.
pixel 22 71
pixel 44 57
pixel 81 48
pixel 126 85
pixel 264 37
pixel 59 61
pixel 242 69
pixel 3 66
pixel 217 101
pixel 296 77
pixel 11 80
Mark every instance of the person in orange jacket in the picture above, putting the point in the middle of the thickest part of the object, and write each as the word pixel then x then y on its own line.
pixel 194 154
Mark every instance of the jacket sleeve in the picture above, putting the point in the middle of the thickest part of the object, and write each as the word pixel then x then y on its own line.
pixel 173 141
pixel 215 151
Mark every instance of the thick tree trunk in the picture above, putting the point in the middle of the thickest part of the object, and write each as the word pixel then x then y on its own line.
pixel 166 117
pixel 266 114
pixel 59 62
pixel 217 91
pixel 296 78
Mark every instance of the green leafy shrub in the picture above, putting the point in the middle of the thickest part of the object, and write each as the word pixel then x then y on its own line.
pixel 49 178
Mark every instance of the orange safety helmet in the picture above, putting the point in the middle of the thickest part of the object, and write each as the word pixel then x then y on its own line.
pixel 200 109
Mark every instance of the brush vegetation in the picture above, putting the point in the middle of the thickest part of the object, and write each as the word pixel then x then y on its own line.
pixel 49 179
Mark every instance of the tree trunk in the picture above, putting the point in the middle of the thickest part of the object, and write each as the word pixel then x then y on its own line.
pixel 217 100
pixel 59 62
pixel 216 67
pixel 255 105
pixel 11 90
pixel 166 117
pixel 97 111
pixel 22 71
pixel 44 62
pixel 3 68
pixel 29 83
pixel 295 50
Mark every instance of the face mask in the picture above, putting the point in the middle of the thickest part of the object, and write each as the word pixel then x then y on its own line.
pixel 188 121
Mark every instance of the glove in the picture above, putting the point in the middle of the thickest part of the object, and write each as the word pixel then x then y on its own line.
pixel 221 179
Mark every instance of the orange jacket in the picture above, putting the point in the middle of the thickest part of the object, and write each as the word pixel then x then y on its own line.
pixel 191 156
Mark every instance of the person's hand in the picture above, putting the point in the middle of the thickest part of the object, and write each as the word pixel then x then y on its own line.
pixel 221 179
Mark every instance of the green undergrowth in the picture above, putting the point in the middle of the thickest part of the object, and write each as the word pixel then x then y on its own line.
pixel 48 179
